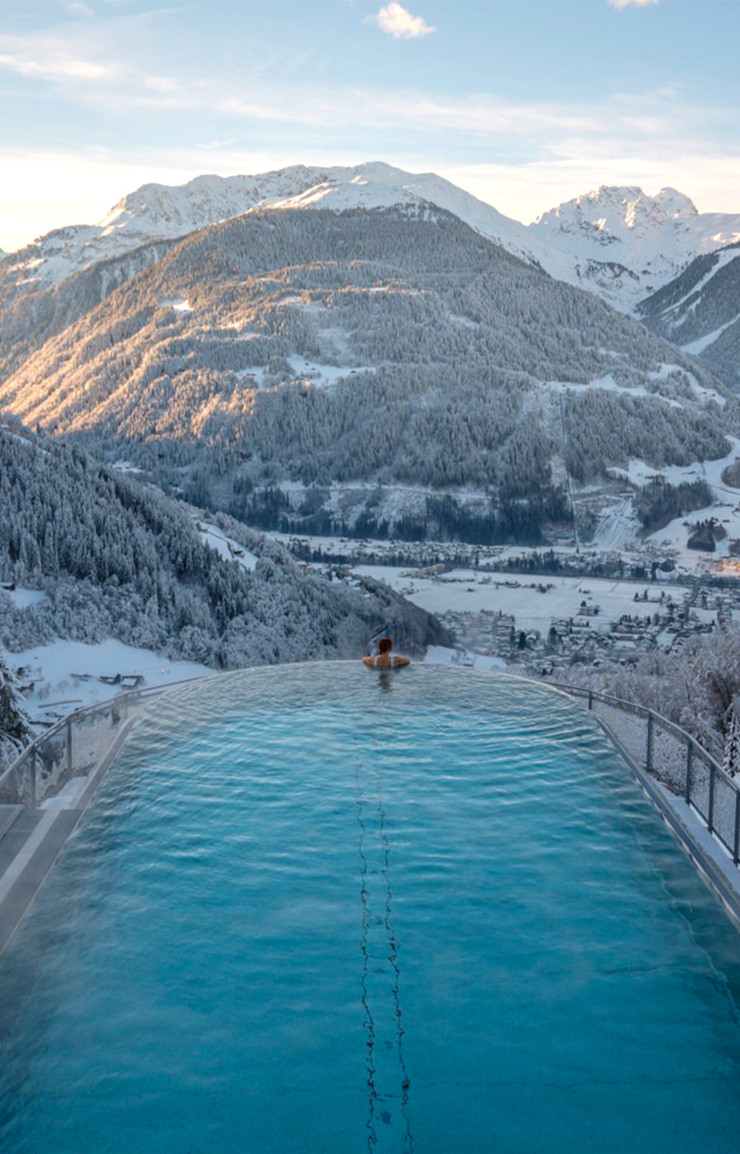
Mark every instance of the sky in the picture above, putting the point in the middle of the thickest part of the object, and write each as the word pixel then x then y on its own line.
pixel 524 103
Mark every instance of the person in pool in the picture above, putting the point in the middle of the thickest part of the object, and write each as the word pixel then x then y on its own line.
pixel 385 658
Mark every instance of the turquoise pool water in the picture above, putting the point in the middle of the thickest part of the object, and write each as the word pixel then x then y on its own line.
pixel 318 909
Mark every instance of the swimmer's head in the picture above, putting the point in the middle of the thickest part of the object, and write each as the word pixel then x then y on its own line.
pixel 385 645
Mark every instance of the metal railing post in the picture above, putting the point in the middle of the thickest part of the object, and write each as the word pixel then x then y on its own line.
pixel 68 744
pixel 736 845
pixel 649 752
pixel 33 777
pixel 710 815
pixel 689 767
pixel 590 699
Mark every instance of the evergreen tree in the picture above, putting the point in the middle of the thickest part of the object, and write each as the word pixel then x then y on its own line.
pixel 15 730
pixel 731 760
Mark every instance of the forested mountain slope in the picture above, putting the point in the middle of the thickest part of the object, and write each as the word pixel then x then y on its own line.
pixel 327 352
pixel 34 310
pixel 700 311
pixel 117 559
pixel 617 242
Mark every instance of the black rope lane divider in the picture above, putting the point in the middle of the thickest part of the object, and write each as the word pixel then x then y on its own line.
pixel 388 1082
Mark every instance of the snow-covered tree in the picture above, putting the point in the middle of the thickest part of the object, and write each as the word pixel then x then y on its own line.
pixel 695 687
pixel 14 726
pixel 731 759
pixel 116 558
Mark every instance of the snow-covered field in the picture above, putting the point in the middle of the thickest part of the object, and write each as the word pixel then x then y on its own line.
pixel 22 598
pixel 67 674
pixel 534 601
pixel 440 655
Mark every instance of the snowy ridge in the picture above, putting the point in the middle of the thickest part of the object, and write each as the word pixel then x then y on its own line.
pixel 159 212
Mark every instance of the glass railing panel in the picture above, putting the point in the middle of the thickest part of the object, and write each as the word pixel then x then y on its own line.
pixel 701 772
pixel 668 758
pixel 723 810
pixel 627 724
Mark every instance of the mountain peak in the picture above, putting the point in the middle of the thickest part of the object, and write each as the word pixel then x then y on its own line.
pixel 675 204
pixel 623 243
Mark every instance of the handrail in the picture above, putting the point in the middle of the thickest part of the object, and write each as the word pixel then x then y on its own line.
pixel 675 759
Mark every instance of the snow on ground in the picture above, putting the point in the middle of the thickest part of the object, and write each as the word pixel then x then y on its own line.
pixel 698 346
pixel 322 375
pixel 22 598
pixel 703 394
pixel 15 436
pixel 255 376
pixel 179 304
pixel 126 467
pixel 726 507
pixel 534 601
pixel 441 655
pixel 609 383
pixel 66 674
pixel 68 796
pixel 618 527
pixel 229 549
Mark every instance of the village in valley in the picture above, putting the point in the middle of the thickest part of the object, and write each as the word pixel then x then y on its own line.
pixel 542 610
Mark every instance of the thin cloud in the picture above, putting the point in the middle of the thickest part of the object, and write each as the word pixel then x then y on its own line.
pixel 50 59
pixel 54 68
pixel 397 21
pixel 632 3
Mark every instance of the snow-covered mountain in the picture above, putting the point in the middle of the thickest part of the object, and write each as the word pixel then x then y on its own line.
pixel 625 245
pixel 700 312
pixel 38 301
pixel 300 368
pixel 617 242
pixel 158 212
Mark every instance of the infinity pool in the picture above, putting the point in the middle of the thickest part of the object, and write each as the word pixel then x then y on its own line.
pixel 323 910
